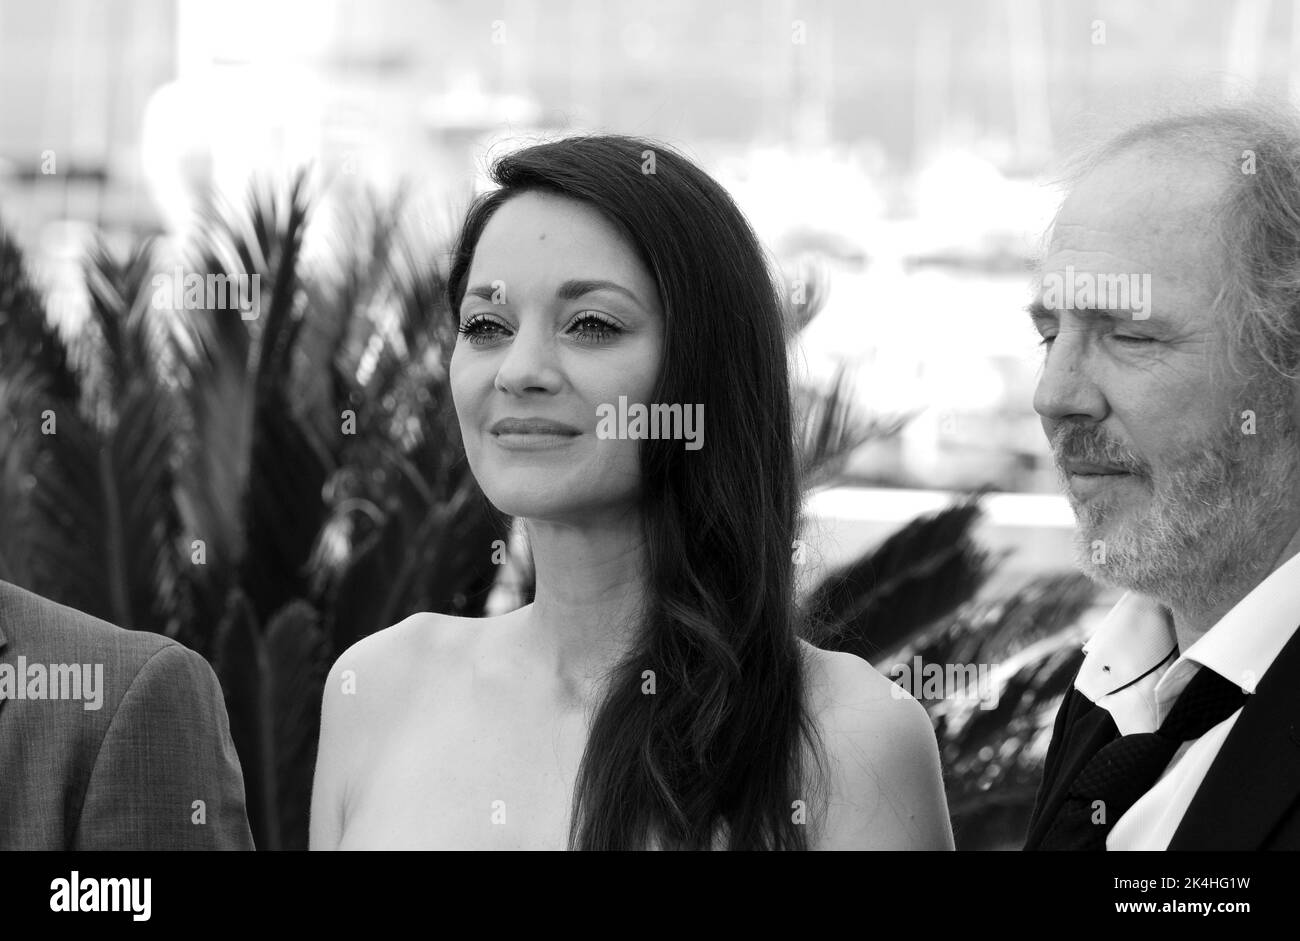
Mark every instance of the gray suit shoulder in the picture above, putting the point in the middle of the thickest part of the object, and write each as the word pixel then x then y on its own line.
pixel 110 737
pixel 45 631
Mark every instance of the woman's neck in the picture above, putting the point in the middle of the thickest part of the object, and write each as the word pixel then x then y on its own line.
pixel 591 581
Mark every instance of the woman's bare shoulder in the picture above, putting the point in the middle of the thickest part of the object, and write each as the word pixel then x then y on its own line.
pixel 381 669
pixel 369 688
pixel 422 633
pixel 853 700
pixel 886 786
pixel 838 680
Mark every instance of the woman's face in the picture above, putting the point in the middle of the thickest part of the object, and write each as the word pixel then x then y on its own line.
pixel 559 317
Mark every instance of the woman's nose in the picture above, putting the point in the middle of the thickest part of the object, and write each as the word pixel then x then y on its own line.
pixel 530 363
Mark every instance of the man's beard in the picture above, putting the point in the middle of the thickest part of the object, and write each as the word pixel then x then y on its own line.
pixel 1206 529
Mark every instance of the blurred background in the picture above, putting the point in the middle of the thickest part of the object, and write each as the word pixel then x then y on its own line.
pixel 897 160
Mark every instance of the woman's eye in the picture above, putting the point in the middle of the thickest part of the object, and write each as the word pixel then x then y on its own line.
pixel 588 327
pixel 593 328
pixel 1046 341
pixel 1132 340
pixel 479 329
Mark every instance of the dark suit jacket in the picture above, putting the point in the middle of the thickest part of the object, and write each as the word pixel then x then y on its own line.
pixel 1250 798
pixel 125 775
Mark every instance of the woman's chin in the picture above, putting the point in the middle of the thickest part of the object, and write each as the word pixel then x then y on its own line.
pixel 540 506
pixel 553 507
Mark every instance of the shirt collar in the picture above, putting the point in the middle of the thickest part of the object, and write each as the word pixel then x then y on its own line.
pixel 1122 659
pixel 1132 666
pixel 1246 640
pixel 1134 638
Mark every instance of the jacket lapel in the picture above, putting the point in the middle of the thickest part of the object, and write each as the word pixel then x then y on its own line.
pixel 1255 777
pixel 1088 731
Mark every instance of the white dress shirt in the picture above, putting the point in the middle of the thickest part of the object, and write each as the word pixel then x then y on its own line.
pixel 1133 670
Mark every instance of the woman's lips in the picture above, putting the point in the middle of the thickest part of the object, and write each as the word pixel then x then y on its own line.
pixel 532 426
pixel 532 434
pixel 532 441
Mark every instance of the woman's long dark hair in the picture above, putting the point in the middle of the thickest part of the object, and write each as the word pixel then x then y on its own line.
pixel 724 752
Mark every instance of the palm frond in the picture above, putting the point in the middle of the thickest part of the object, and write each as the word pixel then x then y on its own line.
pixel 22 404
pixel 993 746
pixel 298 661
pixel 832 427
pixel 253 473
pixel 103 502
pixel 36 380
pixel 878 602
pixel 242 664
pixel 26 335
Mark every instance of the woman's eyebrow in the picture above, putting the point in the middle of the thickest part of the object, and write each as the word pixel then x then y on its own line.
pixel 573 289
pixel 485 291
pixel 570 290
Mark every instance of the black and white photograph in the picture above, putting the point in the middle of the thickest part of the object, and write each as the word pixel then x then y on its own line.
pixel 514 426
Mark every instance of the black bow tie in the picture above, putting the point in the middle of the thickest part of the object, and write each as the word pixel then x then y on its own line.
pixel 1127 767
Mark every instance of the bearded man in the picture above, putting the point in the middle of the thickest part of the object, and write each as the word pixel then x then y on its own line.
pixel 1169 309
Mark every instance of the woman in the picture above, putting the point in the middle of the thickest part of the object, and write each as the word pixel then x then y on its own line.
pixel 655 694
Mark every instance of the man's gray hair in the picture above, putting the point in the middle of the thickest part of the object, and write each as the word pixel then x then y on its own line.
pixel 1258 145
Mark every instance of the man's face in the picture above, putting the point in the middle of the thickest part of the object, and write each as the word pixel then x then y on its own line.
pixel 1178 491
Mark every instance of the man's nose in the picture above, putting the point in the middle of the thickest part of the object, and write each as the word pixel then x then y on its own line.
pixel 1068 387
pixel 530 362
